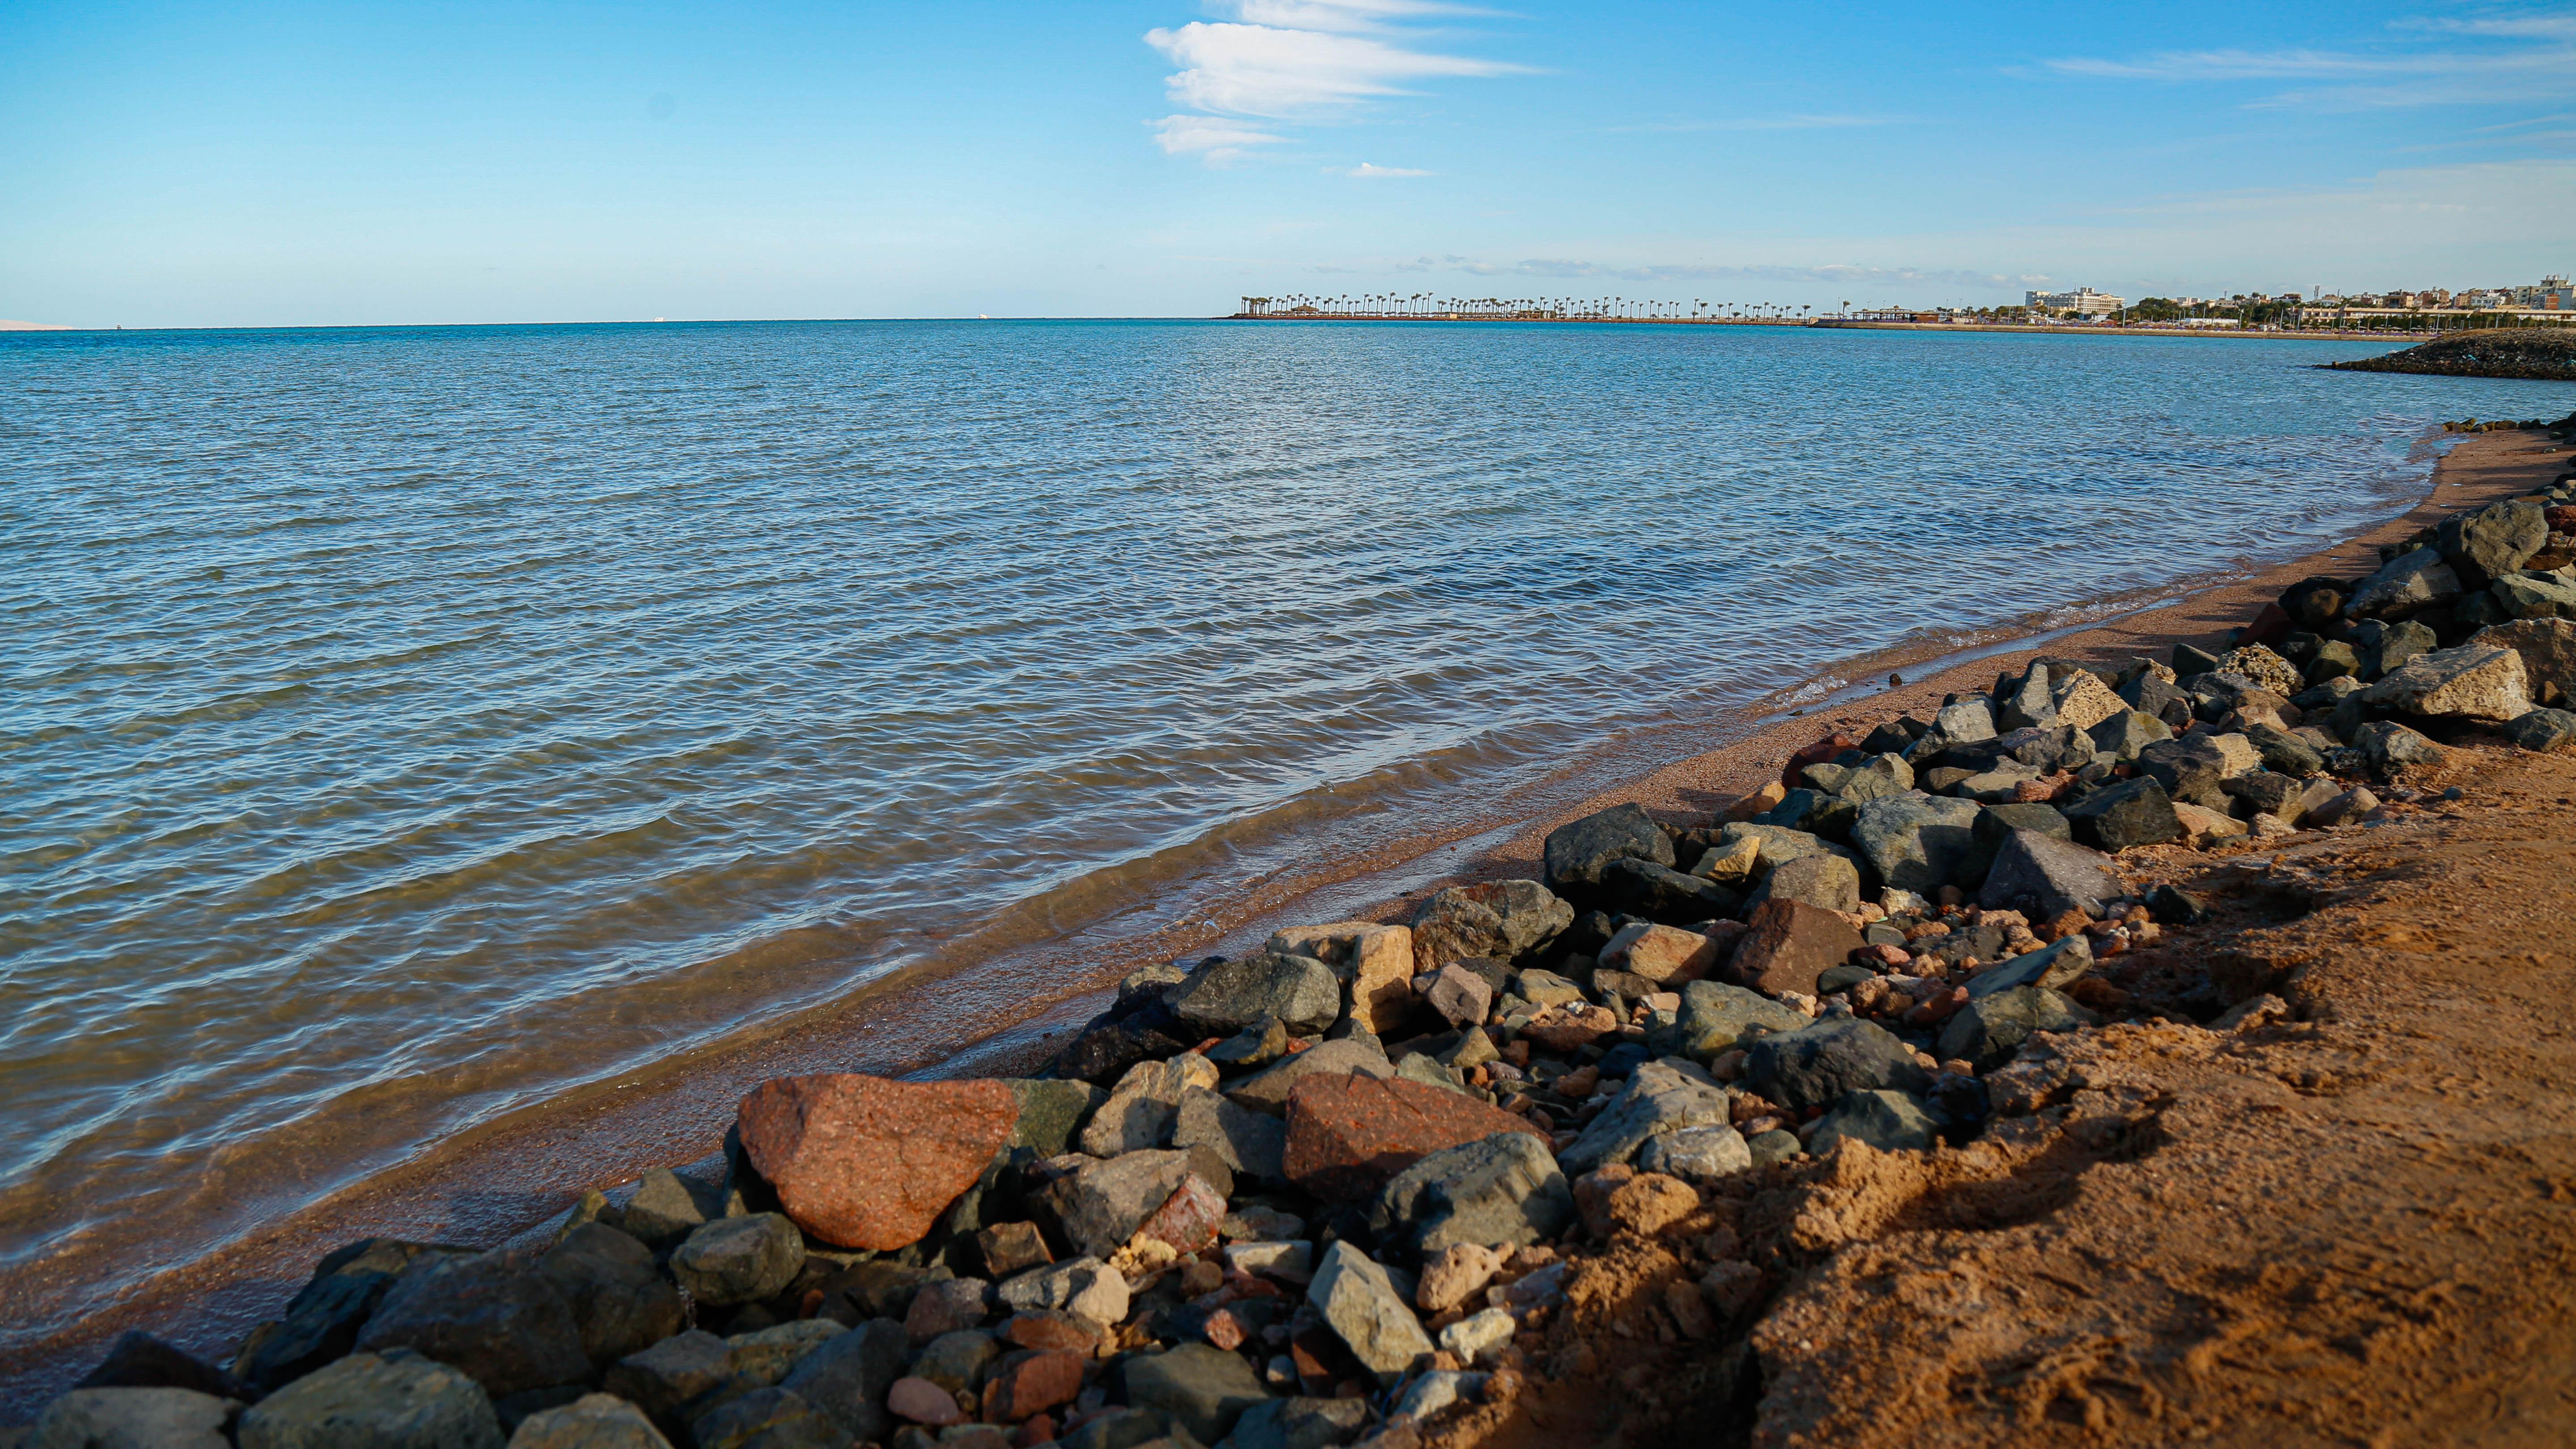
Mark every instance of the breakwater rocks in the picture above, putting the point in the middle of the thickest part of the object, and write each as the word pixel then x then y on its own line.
pixel 1399 1181
pixel 2545 354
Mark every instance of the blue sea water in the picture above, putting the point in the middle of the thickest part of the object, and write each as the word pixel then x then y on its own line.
pixel 401 726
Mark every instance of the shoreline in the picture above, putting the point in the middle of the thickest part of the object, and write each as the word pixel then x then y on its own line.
pixel 517 1173
pixel 1845 324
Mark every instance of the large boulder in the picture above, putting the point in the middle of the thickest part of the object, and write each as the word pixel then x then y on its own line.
pixel 1347 1136
pixel 493 1316
pixel 2124 734
pixel 736 1260
pixel 2548 650
pixel 2191 768
pixel 1814 1065
pixel 2406 585
pixel 1828 881
pixel 137 1360
pixel 1223 999
pixel 1268 1089
pixel 2133 812
pixel 2537 596
pixel 869 1162
pixel 2486 543
pixel 1989 1030
pixel 2474 681
pixel 2266 669
pixel 2081 700
pixel 1051 1112
pixel 1918 843
pixel 619 1303
pixel 1661 893
pixel 1580 854
pixel 1508 920
pixel 1364 1309
pixel 1715 1017
pixel 1501 1189
pixel 593 1421
pixel 1252 1144
pixel 134 1418
pixel 1787 944
pixel 322 1322
pixel 1659 1098
pixel 393 1400
pixel 2043 877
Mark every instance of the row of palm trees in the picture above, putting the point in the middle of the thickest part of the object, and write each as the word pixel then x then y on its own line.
pixel 1526 309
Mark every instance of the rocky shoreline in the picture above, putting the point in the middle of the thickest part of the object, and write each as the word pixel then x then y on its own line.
pixel 1400 1182
pixel 2544 354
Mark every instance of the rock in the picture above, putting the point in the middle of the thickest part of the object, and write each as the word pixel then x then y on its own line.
pixel 2203 828
pixel 2025 702
pixel 1777 1145
pixel 618 1302
pixel 1231 995
pixel 2283 753
pixel 1966 722
pixel 2054 965
pixel 2471 682
pixel 2043 878
pixel 2488 542
pixel 1696 1154
pixel 1500 1189
pixel 1990 1029
pixel 1268 1090
pixel 737 1260
pixel 2548 650
pixel 2169 906
pixel 1251 1143
pixel 2536 596
pixel 1120 1038
pixel 2192 768
pixel 2126 733
pixel 2133 812
pixel 667 1207
pixel 1826 881
pixel 2382 647
pixel 1377 961
pixel 1570 1028
pixel 1008 1248
pixel 134 1418
pixel 1301 1424
pixel 923 1402
pixel 1030 1382
pixel 1509 920
pixel 2262 792
pixel 2388 745
pixel 493 1316
pixel 1659 892
pixel 1458 1273
pixel 2267 669
pixel 393 1400
pixel 662 1379
pixel 1663 955
pixel 1777 845
pixel 2344 808
pixel 2407 584
pixel 1789 943
pixel 137 1360
pixel 1917 842
pixel 1715 1016
pixel 1139 1112
pixel 1100 1205
pixel 1459 997
pixel 1187 1221
pixel 1658 1099
pixel 1471 1338
pixel 1197 1387
pixel 868 1162
pixel 1814 1065
pixel 1888 1121
pixel 1359 1302
pixel 1086 1288
pixel 1051 1112
pixel 2333 659
pixel 1729 862
pixel 322 1322
pixel 957 1360
pixel 2084 701
pixel 2544 731
pixel 1579 855
pixel 593 1421
pixel 846 1376
pixel 765 1418
pixel 1348 1135
pixel 946 1307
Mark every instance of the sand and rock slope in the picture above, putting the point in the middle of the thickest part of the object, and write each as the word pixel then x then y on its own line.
pixel 2547 354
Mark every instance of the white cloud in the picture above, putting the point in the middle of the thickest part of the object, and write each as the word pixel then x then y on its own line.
pixel 1366 171
pixel 1343 15
pixel 1212 137
pixel 1765 123
pixel 2533 56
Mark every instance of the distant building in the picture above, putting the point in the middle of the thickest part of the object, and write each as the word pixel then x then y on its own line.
pixel 2083 302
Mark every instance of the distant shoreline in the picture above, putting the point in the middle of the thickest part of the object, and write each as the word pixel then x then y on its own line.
pixel 1852 324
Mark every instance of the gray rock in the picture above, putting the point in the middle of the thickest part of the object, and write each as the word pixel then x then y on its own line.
pixel 1776 845
pixel 2388 744
pixel 2284 753
pixel 2474 681
pixel 1084 1287
pixel 1579 854
pixel 2043 877
pixel 2133 812
pixel 134 1418
pixel 1777 1145
pixel 1659 1098
pixel 1361 1304
pixel 956 1360
pixel 1253 1144
pixel 2191 769
pixel 2407 584
pixel 2544 731
pixel 492 1315
pixel 2488 542
pixel 1426 1069
pixel 1267 1090
pixel 1814 1065
pixel 1989 1029
pixel 593 1421
pixel 2025 702
pixel 2265 791
pixel 1129 1429
pixel 618 1301
pixel 2052 966
pixel 668 1207
pixel 1139 1112
pixel 1508 920
pixel 1231 995
pixel 1197 1387
pixel 1661 893
pixel 1885 774
pixel 845 1377
pixel 1995 786
pixel 940 1308
pixel 1299 1424
pixel 1888 1121
pixel 2536 596
pixel 1503 1189
pixel 1822 880
pixel 2548 650
pixel 1458 996
pixel 1696 1154
pixel 2381 647
pixel 2349 805
pixel 1097 1208
pixel 2129 731
pixel 322 1322
pixel 1546 988
pixel 735 1260
pixel 1715 1017
pixel 1963 723
pixel 1917 842
pixel 669 1375
pixel 393 1400
pixel 2157 698
pixel 764 1419
pixel 2172 906
pixel 1051 1112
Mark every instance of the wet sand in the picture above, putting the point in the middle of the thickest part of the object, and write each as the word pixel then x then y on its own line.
pixel 512 1176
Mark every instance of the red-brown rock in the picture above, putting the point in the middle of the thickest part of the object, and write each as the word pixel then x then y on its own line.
pixel 1188 1219
pixel 864 1162
pixel 1030 1381
pixel 1048 1328
pixel 1788 944
pixel 1570 1028
pixel 1818 753
pixel 1348 1135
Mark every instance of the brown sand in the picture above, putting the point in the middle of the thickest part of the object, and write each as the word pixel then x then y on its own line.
pixel 514 1174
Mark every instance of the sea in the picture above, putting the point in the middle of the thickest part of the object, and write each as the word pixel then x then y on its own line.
pixel 401 728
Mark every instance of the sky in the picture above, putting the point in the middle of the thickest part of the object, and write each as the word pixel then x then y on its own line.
pixel 260 164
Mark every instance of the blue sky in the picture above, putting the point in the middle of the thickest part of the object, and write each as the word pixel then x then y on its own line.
pixel 350 163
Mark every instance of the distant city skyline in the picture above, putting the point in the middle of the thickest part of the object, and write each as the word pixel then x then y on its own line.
pixel 303 164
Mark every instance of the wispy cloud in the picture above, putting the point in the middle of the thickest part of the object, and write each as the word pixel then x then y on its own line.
pixel 1366 171
pixel 2433 62
pixel 1763 123
pixel 1211 137
pixel 1306 60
